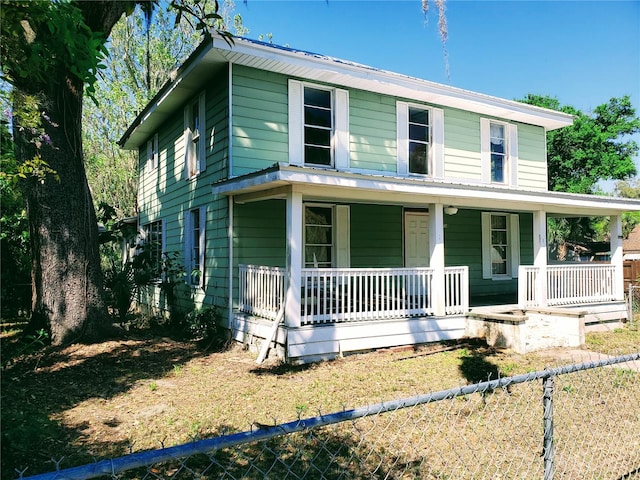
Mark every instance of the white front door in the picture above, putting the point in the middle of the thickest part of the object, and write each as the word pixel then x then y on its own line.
pixel 416 239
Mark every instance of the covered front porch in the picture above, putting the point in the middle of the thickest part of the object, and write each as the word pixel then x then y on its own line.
pixel 352 309
pixel 319 268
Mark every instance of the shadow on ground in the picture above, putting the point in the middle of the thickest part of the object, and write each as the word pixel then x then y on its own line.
pixel 37 387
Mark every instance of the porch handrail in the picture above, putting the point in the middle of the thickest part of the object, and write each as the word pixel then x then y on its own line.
pixel 567 285
pixel 261 290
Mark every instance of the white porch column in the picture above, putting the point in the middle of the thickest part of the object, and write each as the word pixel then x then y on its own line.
pixel 436 257
pixel 294 257
pixel 540 254
pixel 617 255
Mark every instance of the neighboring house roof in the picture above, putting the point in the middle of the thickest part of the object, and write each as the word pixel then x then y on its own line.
pixel 631 244
pixel 214 53
pixel 321 184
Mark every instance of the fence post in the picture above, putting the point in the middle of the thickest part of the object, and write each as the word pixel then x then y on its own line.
pixel 630 304
pixel 548 451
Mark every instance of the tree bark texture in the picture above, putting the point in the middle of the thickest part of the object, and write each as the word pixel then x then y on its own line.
pixel 66 274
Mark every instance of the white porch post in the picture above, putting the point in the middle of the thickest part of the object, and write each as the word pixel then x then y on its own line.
pixel 436 258
pixel 617 255
pixel 294 257
pixel 540 255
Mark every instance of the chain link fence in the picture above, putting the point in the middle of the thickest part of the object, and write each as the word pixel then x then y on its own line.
pixel 579 421
pixel 633 303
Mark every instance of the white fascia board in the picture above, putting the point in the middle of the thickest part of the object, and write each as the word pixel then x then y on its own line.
pixel 327 184
pixel 350 74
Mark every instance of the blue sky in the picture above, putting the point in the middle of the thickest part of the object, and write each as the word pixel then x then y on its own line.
pixel 582 52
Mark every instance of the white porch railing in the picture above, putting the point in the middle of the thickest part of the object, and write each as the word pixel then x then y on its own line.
pixel 566 285
pixel 331 295
pixel 261 290
pixel 456 290
pixel 353 294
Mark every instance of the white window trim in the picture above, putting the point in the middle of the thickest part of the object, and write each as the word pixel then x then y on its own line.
pixel 511 158
pixel 152 153
pixel 436 141
pixel 341 239
pixel 513 245
pixel 340 134
pixel 189 148
pixel 189 242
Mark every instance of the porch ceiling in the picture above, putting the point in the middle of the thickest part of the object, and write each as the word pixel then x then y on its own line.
pixel 324 185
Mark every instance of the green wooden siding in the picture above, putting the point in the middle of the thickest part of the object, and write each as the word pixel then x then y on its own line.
pixel 376 236
pixel 260 116
pixel 372 131
pixel 164 194
pixel 462 145
pixel 532 165
pixel 259 233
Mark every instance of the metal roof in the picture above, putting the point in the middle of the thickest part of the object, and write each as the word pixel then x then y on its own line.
pixel 215 53
pixel 325 184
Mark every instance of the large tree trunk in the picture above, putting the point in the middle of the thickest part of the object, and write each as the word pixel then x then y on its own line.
pixel 66 274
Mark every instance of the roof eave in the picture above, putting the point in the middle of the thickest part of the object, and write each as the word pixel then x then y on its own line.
pixel 349 186
pixel 215 50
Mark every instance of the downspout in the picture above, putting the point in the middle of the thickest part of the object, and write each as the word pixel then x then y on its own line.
pixel 229 175
pixel 230 124
pixel 230 238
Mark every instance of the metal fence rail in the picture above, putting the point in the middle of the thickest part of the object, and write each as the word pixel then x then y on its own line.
pixel 575 421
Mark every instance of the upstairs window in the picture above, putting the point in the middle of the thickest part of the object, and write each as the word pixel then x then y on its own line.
pixel 152 153
pixel 498 149
pixel 499 152
pixel 194 137
pixel 419 140
pixel 318 127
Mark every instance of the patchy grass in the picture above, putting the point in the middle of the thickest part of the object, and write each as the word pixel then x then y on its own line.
pixel 88 402
pixel 622 340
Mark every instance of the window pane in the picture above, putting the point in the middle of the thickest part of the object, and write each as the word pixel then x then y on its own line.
pixel 497 133
pixel 418 158
pixel 317 155
pixel 497 168
pixel 497 147
pixel 417 115
pixel 317 97
pixel 499 221
pixel 316 235
pixel 498 237
pixel 419 132
pixel 317 136
pixel 317 216
pixel 317 117
pixel 195 118
pixel 320 255
pixel 499 268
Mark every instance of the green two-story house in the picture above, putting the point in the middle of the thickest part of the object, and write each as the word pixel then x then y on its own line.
pixel 328 206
